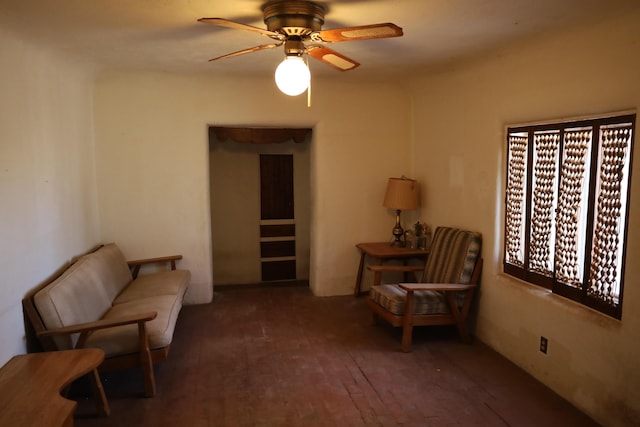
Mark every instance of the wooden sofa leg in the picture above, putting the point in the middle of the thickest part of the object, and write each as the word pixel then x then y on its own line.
pixel 102 403
pixel 146 362
pixel 149 379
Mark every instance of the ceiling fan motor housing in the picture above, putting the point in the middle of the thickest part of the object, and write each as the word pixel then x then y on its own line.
pixel 298 25
pixel 294 18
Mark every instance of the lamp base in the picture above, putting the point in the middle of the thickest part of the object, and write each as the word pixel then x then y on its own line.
pixel 397 243
pixel 398 233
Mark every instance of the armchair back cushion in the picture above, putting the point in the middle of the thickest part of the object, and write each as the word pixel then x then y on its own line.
pixel 453 256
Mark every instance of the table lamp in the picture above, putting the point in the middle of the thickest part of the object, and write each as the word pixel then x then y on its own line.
pixel 401 195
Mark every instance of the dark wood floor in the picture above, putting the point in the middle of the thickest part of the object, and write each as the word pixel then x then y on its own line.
pixel 278 356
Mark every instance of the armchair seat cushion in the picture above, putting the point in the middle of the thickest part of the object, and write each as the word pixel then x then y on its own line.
pixel 393 299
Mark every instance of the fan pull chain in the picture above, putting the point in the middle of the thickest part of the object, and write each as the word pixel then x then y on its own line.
pixel 306 59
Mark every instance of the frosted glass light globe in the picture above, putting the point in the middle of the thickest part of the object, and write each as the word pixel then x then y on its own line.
pixel 292 76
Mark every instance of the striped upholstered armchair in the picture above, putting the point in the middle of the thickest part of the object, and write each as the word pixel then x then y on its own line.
pixel 451 275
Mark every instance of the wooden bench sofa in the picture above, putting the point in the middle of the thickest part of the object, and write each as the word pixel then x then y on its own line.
pixel 98 301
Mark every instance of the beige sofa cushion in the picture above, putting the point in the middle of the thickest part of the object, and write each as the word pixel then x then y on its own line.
pixel 124 339
pixel 112 269
pixel 172 282
pixel 77 296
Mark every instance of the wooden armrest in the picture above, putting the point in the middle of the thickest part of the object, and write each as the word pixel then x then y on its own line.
pixel 100 324
pixel 435 286
pixel 400 268
pixel 172 258
pixel 136 264
pixel 379 269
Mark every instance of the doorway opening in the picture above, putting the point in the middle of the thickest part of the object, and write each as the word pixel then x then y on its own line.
pixel 260 205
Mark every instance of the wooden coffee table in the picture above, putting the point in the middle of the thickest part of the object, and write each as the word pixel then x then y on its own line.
pixel 30 386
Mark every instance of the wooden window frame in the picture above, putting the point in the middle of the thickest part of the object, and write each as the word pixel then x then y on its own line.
pixel 519 199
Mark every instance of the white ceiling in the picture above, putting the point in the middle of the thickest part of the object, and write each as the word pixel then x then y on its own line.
pixel 164 34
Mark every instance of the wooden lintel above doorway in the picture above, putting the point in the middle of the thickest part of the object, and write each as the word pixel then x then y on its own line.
pixel 260 135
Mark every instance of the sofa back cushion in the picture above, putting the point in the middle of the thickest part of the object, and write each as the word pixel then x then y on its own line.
pixel 112 269
pixel 77 296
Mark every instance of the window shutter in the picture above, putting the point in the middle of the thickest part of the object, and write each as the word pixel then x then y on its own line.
pixel 572 207
pixel 545 175
pixel 610 216
pixel 515 199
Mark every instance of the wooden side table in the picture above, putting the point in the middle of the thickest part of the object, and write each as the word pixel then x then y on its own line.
pixel 30 386
pixel 381 251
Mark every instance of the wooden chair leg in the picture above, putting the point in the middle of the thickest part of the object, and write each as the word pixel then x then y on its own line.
pixel 407 323
pixel 407 335
pixel 460 316
pixel 375 320
pixel 356 289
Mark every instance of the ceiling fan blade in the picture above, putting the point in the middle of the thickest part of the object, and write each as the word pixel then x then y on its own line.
pixel 250 50
pixel 238 26
pixel 332 58
pixel 363 32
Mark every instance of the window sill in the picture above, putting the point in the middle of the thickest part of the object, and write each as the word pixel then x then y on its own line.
pixel 580 311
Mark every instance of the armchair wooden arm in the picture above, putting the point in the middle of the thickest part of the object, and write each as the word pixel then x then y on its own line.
pixel 136 264
pixel 379 269
pixel 85 329
pixel 444 287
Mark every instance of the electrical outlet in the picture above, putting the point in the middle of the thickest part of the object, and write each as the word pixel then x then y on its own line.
pixel 543 345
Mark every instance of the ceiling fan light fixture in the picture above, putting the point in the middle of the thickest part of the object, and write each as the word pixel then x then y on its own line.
pixel 298 25
pixel 293 75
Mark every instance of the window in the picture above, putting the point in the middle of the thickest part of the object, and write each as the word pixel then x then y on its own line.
pixel 566 201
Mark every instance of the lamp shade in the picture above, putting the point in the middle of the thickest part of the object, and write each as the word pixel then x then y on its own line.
pixel 402 194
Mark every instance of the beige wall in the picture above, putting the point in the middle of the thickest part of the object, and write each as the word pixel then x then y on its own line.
pixel 235 208
pixel 47 180
pixel 152 164
pixel 459 120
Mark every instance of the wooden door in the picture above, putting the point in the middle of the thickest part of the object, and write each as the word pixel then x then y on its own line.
pixel 277 221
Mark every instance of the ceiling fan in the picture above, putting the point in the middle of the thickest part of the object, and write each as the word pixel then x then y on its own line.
pixel 298 26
